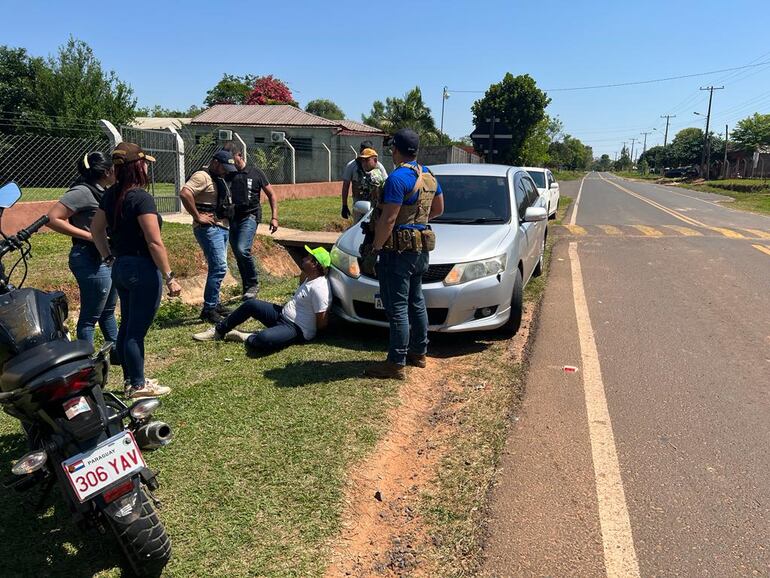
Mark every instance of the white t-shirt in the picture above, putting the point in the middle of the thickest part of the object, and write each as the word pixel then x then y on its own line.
pixel 311 297
pixel 350 171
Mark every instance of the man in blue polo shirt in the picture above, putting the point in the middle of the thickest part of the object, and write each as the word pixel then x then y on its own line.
pixel 402 239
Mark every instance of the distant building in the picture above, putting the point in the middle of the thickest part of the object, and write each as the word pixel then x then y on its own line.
pixel 262 125
pixel 159 122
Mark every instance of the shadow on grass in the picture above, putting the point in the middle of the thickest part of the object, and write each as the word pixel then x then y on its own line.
pixel 45 541
pixel 301 373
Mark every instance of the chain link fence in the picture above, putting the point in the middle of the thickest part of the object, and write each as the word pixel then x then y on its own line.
pixel 165 177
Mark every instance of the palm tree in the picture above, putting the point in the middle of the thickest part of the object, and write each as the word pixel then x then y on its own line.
pixel 407 112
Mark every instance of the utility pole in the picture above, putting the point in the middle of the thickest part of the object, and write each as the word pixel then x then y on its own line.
pixel 633 140
pixel 444 98
pixel 668 118
pixel 724 164
pixel 707 143
pixel 645 140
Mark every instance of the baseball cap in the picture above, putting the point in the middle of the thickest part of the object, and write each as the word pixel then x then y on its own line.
pixel 367 153
pixel 406 141
pixel 321 255
pixel 128 152
pixel 225 158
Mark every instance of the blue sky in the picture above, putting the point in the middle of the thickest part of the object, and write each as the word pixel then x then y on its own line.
pixel 356 52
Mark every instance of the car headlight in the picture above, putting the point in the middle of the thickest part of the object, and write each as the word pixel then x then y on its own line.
pixel 345 262
pixel 464 272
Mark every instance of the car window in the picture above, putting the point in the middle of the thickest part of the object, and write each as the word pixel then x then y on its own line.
pixel 538 177
pixel 474 199
pixel 532 194
pixel 550 178
pixel 521 195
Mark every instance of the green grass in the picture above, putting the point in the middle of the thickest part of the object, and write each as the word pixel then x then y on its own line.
pixel 316 214
pixel 756 202
pixel 253 483
pixel 636 175
pixel 32 194
pixel 568 175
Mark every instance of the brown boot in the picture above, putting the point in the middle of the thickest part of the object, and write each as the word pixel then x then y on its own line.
pixel 415 360
pixel 385 370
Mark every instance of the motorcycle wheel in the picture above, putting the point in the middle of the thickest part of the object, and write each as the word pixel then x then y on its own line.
pixel 145 541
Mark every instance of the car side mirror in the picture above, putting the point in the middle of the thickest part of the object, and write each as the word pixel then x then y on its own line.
pixel 360 209
pixel 535 214
pixel 554 185
pixel 9 194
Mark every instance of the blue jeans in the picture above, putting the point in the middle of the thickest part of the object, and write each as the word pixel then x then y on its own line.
pixel 97 295
pixel 400 276
pixel 279 332
pixel 139 286
pixel 242 231
pixel 213 241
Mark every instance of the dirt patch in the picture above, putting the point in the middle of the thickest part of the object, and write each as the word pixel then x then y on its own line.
pixel 382 532
pixel 274 259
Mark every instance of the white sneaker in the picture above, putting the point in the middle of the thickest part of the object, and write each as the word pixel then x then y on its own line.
pixel 151 388
pixel 237 336
pixel 209 335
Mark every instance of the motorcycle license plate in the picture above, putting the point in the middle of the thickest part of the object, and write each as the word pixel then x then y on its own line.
pixel 378 301
pixel 110 461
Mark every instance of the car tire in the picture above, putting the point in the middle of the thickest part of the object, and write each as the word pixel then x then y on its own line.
pixel 540 263
pixel 517 306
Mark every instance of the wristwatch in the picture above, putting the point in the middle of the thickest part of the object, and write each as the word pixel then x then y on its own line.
pixel 168 277
pixel 109 260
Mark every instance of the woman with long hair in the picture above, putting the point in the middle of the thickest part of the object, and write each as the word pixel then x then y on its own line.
pixel 72 216
pixel 139 261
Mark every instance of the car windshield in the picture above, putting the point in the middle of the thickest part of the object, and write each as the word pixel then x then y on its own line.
pixel 539 178
pixel 474 199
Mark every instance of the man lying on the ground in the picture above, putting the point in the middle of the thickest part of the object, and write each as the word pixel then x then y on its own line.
pixel 295 322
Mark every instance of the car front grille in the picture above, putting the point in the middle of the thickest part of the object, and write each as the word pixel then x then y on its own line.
pixel 435 273
pixel 364 310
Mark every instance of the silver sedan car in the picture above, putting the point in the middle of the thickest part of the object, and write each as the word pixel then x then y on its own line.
pixel 489 242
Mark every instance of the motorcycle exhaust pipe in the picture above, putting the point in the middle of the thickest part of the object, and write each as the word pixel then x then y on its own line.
pixel 153 435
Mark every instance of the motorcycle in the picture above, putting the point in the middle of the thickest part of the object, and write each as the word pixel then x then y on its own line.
pixel 82 438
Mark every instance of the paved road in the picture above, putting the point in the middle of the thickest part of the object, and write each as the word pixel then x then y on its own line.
pixel 653 459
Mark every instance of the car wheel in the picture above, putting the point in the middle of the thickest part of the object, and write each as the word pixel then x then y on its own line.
pixel 517 306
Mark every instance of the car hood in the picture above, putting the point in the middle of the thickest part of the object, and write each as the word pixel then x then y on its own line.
pixel 454 243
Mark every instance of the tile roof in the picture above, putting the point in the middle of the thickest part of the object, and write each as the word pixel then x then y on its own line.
pixel 275 115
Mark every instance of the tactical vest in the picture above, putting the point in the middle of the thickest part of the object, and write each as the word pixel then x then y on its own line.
pixel 223 208
pixel 365 188
pixel 407 239
pixel 244 198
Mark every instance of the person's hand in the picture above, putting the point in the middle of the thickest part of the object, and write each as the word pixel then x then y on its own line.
pixel 273 225
pixel 206 219
pixel 345 212
pixel 368 263
pixel 174 288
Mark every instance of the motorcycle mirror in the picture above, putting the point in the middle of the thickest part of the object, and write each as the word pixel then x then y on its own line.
pixel 9 194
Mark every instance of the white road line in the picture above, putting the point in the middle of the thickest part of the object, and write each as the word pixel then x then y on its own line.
pixel 619 551
pixel 577 202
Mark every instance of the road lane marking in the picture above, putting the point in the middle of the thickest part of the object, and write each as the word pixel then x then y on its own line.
pixel 617 538
pixel 573 217
pixel 687 232
pixel 764 248
pixel 729 233
pixel 759 234
pixel 576 229
pixel 610 230
pixel 648 231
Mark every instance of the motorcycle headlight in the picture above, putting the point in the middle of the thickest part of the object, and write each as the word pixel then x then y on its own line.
pixel 346 262
pixel 464 272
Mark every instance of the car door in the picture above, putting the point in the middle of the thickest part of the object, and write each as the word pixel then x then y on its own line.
pixel 535 230
pixel 554 192
pixel 526 231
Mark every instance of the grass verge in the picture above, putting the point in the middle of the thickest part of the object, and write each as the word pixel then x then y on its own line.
pixel 315 214
pixel 756 202
pixel 480 408
pixel 568 175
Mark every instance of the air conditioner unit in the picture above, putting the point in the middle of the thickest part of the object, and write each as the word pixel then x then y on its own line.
pixel 225 135
pixel 276 136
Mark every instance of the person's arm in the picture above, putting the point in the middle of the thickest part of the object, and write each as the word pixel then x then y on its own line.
pixel 322 320
pixel 436 207
pixel 188 200
pixel 58 220
pixel 272 198
pixel 99 233
pixel 384 227
pixel 151 229
pixel 345 190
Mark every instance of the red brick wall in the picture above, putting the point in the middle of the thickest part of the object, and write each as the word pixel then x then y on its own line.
pixel 308 190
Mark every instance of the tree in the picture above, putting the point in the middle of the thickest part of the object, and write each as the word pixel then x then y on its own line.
pixel 18 74
pixel 519 104
pixel 655 156
pixel 325 108
pixel 570 153
pixel 158 111
pixel 408 112
pixel 624 162
pixel 752 132
pixel 687 147
pixel 73 87
pixel 535 148
pixel 603 164
pixel 230 90
pixel 270 90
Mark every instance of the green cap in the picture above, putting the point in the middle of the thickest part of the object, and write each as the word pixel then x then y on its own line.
pixel 321 255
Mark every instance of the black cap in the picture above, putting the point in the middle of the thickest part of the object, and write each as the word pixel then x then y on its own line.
pixel 406 141
pixel 225 158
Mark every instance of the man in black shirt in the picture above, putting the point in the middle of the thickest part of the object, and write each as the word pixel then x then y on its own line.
pixel 245 186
